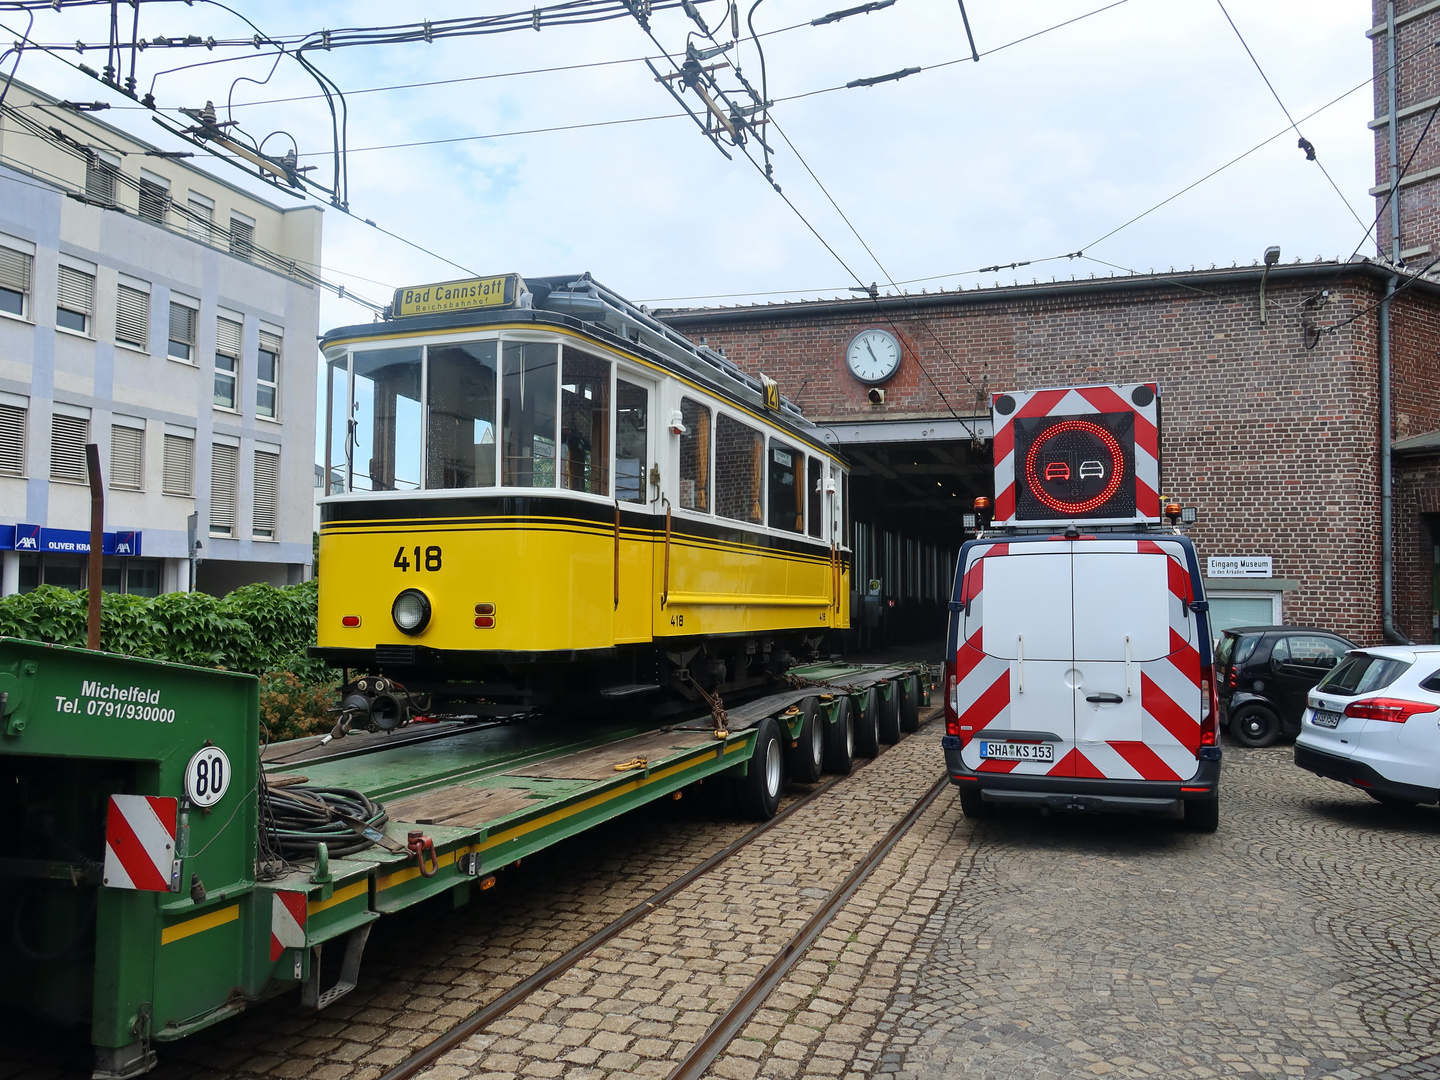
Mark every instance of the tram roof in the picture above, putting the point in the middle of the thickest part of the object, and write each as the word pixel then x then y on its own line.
pixel 579 302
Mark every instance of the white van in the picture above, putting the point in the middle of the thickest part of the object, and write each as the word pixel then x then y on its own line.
pixel 1078 676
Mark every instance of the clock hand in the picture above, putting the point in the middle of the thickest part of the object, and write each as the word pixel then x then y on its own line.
pixel 871 350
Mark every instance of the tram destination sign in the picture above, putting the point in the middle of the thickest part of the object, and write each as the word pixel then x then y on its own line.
pixel 467 294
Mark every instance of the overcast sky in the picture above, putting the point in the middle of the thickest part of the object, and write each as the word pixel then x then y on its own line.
pixel 1039 149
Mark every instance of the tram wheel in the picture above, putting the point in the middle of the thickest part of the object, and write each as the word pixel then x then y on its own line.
pixel 760 787
pixel 805 761
pixel 867 726
pixel 840 739
pixel 910 703
pixel 889 713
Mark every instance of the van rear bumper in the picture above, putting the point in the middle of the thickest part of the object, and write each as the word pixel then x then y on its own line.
pixel 1077 793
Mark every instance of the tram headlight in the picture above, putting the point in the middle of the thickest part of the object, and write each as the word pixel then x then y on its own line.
pixel 411 611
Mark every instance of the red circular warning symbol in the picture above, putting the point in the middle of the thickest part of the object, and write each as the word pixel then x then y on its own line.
pixel 1074 466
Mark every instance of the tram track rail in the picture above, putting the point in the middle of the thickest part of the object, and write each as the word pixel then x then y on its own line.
pixel 732 1021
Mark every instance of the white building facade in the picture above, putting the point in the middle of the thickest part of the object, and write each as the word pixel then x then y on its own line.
pixel 169 317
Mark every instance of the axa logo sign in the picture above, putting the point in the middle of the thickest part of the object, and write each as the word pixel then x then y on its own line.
pixel 27 538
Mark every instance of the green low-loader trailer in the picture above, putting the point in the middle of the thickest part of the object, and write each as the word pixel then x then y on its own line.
pixel 128 873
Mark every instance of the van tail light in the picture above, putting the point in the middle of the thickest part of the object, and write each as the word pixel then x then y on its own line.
pixel 1393 710
pixel 952 718
pixel 1209 707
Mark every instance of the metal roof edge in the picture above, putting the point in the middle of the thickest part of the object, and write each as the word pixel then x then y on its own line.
pixel 1178 282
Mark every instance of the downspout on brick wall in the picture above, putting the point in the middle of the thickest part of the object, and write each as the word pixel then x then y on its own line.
pixel 1387 533
pixel 1387 530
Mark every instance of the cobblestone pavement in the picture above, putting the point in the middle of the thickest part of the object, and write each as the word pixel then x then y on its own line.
pixel 1300 940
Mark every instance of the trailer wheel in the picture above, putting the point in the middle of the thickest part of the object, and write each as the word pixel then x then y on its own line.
pixel 867 725
pixel 840 739
pixel 889 713
pixel 805 761
pixel 760 787
pixel 910 703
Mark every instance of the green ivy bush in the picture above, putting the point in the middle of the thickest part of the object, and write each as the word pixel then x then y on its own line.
pixel 256 628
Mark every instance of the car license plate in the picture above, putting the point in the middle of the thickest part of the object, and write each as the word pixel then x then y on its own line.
pixel 1016 751
pixel 1325 718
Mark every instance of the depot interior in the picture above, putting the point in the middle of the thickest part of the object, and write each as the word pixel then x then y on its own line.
pixel 908 503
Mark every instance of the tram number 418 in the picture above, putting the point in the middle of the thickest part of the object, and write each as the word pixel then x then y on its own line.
pixel 431 561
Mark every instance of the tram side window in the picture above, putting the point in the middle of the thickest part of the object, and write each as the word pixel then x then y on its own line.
pixel 632 440
pixel 739 455
pixel 529 414
pixel 460 450
pixel 815 481
pixel 845 506
pixel 695 456
pixel 584 423
pixel 337 378
pixel 787 488
pixel 384 444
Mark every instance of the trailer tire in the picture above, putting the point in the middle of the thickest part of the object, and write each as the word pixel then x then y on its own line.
pixel 867 725
pixel 889 713
pixel 910 703
pixel 805 761
pixel 840 739
pixel 759 788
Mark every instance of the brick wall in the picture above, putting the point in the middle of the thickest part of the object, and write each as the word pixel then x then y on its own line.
pixel 1417 83
pixel 1276 444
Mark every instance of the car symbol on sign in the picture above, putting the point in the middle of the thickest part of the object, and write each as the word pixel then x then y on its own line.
pixel 1057 470
pixel 1092 468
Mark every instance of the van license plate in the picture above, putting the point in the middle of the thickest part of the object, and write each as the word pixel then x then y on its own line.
pixel 1325 718
pixel 1014 751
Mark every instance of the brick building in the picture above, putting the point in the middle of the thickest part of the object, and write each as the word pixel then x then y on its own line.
pixel 1273 424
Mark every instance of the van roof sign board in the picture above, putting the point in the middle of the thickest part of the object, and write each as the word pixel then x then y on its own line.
pixel 468 294
pixel 1081 453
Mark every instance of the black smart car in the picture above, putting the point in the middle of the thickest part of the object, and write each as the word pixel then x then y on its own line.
pixel 1264 674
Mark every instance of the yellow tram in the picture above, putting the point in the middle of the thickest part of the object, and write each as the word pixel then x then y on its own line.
pixel 539 492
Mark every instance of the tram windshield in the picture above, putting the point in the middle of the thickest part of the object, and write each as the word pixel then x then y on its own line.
pixel 460 443
pixel 385 420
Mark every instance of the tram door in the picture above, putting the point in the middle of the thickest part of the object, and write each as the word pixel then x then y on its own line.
pixel 634 441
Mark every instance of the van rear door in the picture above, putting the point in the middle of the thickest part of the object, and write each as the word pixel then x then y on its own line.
pixel 1016 707
pixel 1137 665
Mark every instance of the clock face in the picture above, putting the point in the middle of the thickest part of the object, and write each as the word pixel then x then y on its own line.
pixel 873 356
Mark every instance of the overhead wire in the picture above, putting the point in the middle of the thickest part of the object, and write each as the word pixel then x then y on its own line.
pixel 1305 143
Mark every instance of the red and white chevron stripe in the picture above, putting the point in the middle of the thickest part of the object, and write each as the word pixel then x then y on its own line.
pixel 140 842
pixel 287 922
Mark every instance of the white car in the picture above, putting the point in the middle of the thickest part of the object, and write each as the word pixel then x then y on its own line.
pixel 1374 723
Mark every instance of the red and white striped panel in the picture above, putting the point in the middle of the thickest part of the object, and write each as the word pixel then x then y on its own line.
pixel 1081 401
pixel 140 842
pixel 287 922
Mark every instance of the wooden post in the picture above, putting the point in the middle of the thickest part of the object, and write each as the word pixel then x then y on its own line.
pixel 97 544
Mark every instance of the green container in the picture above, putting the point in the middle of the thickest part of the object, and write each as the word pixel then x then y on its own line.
pixel 77 727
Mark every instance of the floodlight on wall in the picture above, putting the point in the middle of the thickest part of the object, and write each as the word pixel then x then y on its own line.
pixel 1272 256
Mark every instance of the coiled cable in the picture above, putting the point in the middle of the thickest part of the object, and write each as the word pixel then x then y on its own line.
pixel 297 819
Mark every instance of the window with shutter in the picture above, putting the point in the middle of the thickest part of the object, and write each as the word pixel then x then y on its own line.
pixel 127 457
pixel 182 332
pixel 267 375
pixel 242 237
pixel 100 177
pixel 68 436
pixel 267 495
pixel 75 300
pixel 179 478
pixel 132 317
pixel 12 439
pixel 224 471
pixel 154 200
pixel 227 362
pixel 15 271
pixel 202 217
